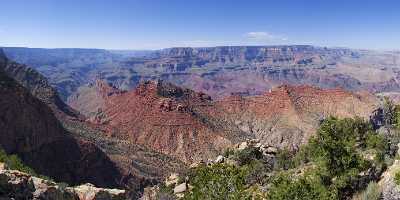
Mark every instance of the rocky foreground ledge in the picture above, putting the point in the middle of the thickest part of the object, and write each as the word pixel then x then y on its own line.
pixel 21 186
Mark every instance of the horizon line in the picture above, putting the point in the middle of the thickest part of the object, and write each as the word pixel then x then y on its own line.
pixel 199 47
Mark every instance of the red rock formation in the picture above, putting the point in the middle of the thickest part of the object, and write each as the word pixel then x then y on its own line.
pixel 190 126
pixel 288 115
pixel 163 117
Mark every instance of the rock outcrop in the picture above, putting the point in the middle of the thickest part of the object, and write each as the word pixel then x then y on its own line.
pixel 20 186
pixel 390 190
pixel 161 117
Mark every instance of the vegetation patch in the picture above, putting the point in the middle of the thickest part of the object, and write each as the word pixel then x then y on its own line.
pixel 333 165
pixel 13 162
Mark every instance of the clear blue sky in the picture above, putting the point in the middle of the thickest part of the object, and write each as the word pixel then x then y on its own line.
pixel 153 24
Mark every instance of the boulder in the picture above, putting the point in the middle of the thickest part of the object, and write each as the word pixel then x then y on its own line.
pixel 243 146
pixel 258 145
pixel 90 192
pixel 45 189
pixel 18 185
pixel 172 179
pixel 220 159
pixel 270 150
pixel 196 164
pixel 3 166
pixel 150 193
pixel 180 188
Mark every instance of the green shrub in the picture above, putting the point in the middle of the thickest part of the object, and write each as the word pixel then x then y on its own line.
pixel 334 146
pixel 284 159
pixel 326 168
pixel 165 193
pixel 285 187
pixel 389 112
pixel 13 162
pixel 376 141
pixel 397 177
pixel 218 181
pixel 247 155
pixel 335 151
pixel 256 172
pixel 228 152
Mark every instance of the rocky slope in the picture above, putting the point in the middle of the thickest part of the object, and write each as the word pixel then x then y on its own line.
pixel 160 116
pixel 287 116
pixel 31 130
pixel 37 85
pixel 190 126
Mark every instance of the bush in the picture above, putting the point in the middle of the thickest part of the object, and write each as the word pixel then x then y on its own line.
pixel 326 168
pixel 165 193
pixel 247 155
pixel 228 152
pixel 397 177
pixel 285 186
pixel 375 141
pixel 256 172
pixel 13 162
pixel 335 152
pixel 335 145
pixel 389 112
pixel 284 159
pixel 218 181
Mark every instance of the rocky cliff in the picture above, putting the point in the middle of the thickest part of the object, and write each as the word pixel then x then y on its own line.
pixel 160 116
pixel 31 130
pixel 190 126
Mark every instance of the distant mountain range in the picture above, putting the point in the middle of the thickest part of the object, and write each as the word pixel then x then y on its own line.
pixel 217 71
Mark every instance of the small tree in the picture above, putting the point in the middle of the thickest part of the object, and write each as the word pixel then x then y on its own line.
pixel 389 112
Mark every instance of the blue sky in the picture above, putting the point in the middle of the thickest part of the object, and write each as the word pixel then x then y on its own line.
pixel 154 24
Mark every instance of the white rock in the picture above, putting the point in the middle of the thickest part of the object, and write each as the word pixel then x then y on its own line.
pixel 220 159
pixel 180 188
pixel 271 150
pixel 243 145
pixel 172 179
pixel 257 145
pixel 3 166
pixel 194 165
